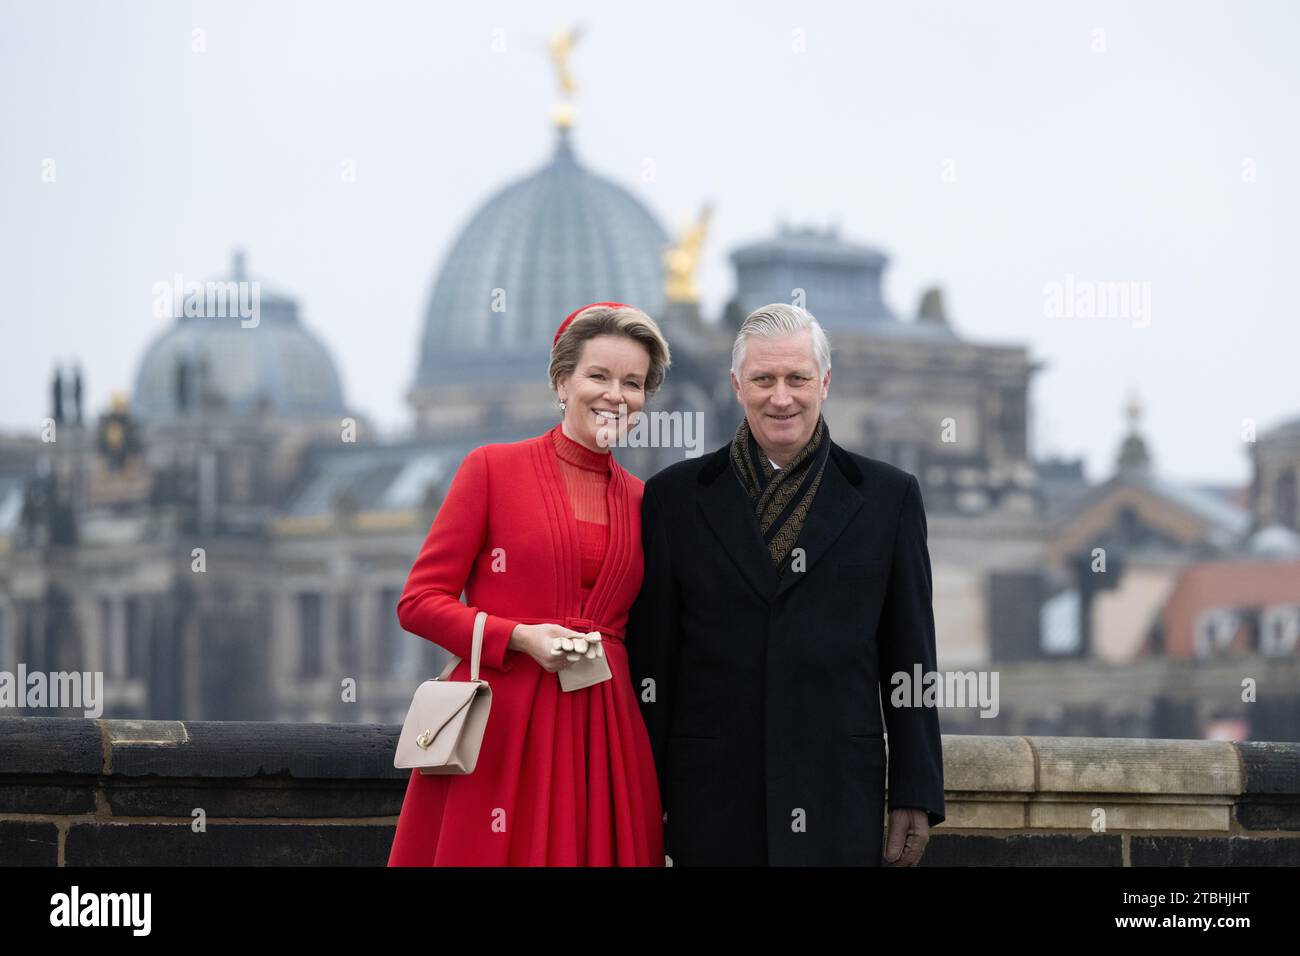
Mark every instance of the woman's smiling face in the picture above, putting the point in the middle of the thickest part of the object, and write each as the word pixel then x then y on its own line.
pixel 605 391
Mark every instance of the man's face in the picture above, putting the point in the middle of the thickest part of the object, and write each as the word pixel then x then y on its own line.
pixel 779 389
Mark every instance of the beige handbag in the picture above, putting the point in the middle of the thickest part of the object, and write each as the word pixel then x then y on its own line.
pixel 444 727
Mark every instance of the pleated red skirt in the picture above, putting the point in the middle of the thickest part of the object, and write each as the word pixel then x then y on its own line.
pixel 563 779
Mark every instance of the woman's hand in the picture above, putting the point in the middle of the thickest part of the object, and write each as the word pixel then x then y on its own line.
pixel 554 646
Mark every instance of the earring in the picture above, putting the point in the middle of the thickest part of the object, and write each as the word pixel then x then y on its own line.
pixel 561 404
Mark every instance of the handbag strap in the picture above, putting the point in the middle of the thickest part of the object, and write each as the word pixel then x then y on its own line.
pixel 476 652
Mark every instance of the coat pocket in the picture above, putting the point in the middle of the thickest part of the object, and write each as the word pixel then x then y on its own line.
pixel 861 806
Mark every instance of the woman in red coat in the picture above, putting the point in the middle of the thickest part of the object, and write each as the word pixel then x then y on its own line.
pixel 545 536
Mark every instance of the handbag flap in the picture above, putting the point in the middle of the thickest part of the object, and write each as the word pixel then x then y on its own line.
pixel 437 703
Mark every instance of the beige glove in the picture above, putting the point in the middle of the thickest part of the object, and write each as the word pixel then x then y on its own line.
pixel 579 647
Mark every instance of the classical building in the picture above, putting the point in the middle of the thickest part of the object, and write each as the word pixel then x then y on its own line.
pixel 1275 494
pixel 231 542
pixel 1115 553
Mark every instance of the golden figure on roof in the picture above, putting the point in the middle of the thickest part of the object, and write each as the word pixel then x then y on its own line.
pixel 561 47
pixel 681 259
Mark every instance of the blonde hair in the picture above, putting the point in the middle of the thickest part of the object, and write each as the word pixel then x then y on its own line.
pixel 611 320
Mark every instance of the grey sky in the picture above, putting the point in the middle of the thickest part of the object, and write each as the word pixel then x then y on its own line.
pixel 1118 165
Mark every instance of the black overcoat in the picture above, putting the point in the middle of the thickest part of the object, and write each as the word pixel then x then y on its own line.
pixel 766 691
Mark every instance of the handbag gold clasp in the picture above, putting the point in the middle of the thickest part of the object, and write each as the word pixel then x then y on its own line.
pixel 425 739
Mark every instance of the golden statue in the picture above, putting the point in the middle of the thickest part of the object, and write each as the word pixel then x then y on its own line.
pixel 113 427
pixel 561 46
pixel 681 259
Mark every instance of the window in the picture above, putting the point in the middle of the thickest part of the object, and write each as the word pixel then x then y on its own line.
pixel 347 635
pixel 1130 525
pixel 1279 630
pixel 111 648
pixel 394 643
pixel 1284 503
pixel 137 638
pixel 310 638
pixel 1214 631
pixel 1013 421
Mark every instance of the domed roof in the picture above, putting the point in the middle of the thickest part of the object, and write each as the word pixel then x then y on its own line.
pixel 534 252
pixel 265 363
pixel 1274 540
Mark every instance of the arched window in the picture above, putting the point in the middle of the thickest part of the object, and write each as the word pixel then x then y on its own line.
pixel 1284 499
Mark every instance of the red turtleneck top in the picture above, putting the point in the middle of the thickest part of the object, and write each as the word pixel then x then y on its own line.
pixel 586 478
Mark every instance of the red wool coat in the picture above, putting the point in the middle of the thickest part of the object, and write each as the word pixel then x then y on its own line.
pixel 563 779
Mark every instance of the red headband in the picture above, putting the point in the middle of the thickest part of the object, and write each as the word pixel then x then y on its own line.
pixel 565 324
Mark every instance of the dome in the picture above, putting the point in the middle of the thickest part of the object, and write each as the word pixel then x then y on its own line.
pixel 272 365
pixel 843 279
pixel 1274 540
pixel 549 243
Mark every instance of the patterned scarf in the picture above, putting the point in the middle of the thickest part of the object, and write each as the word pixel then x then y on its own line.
pixel 781 496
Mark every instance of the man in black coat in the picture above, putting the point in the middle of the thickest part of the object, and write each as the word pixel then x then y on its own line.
pixel 786 581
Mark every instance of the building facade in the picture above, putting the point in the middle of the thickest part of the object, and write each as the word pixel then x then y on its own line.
pixel 231 542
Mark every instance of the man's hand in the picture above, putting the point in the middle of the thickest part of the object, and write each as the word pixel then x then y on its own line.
pixel 909 832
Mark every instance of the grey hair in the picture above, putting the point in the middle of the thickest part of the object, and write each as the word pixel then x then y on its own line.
pixel 776 319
